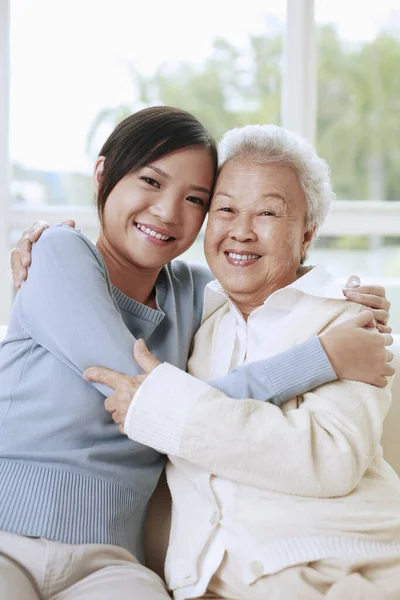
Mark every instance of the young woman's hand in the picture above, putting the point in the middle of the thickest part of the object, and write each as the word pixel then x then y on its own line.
pixel 21 255
pixel 373 297
pixel 357 351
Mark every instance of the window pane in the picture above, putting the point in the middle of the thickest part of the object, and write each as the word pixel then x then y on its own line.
pixel 359 129
pixel 80 67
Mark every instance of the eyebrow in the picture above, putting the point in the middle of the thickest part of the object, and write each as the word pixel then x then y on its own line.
pixel 197 188
pixel 270 195
pixel 159 171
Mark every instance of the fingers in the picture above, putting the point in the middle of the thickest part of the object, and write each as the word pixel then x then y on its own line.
pixel 389 356
pixel 70 223
pixel 381 316
pixel 352 282
pixel 388 339
pixel 364 318
pixel 377 291
pixel 384 328
pixel 373 290
pixel 110 404
pixel 24 247
pixel 381 382
pixel 22 253
pixel 36 230
pixel 370 300
pixel 143 357
pixel 105 376
pixel 388 370
pixel 19 272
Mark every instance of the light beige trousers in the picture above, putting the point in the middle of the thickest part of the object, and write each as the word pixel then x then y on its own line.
pixel 38 569
pixel 372 579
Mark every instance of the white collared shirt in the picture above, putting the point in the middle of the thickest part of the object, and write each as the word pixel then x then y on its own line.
pixel 238 342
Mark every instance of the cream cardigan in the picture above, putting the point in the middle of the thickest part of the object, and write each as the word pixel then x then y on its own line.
pixel 310 477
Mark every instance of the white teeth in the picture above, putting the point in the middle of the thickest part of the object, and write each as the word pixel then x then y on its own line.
pixel 153 233
pixel 235 256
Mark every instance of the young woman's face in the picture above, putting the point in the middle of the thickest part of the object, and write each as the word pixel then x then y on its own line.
pixel 154 215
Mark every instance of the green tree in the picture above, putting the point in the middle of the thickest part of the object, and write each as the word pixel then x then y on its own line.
pixel 225 91
pixel 358 124
pixel 358 102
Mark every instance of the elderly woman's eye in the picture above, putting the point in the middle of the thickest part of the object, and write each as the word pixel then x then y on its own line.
pixel 268 213
pixel 150 181
pixel 225 209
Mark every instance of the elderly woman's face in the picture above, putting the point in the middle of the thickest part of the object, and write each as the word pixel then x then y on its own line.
pixel 256 233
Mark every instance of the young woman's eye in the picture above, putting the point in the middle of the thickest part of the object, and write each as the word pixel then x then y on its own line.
pixel 196 200
pixel 150 181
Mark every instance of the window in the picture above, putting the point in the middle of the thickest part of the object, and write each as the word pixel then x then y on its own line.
pixel 358 128
pixel 77 68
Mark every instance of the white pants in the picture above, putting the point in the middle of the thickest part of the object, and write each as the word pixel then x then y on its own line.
pixel 368 579
pixel 39 569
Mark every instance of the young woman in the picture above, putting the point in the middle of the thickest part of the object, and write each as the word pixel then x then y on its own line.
pixel 74 491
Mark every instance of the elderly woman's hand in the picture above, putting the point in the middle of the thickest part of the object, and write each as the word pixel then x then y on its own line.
pixel 125 386
pixel 21 255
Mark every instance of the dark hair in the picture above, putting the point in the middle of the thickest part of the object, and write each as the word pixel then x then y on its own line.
pixel 145 137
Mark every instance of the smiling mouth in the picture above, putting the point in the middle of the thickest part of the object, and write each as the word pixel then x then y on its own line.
pixel 157 235
pixel 241 260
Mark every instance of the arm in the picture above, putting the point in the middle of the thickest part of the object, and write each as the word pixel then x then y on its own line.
pixel 66 305
pixel 321 449
pixel 67 285
pixel 336 430
pixel 372 297
pixel 275 379
pixel 281 377
pixel 53 299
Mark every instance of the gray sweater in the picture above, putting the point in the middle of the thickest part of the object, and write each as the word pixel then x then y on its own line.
pixel 66 472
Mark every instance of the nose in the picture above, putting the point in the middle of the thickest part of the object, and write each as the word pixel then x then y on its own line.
pixel 242 229
pixel 167 209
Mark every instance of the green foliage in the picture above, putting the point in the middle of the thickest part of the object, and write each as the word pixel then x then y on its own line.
pixel 358 115
pixel 358 102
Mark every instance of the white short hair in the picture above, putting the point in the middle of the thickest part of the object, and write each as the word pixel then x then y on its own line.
pixel 272 144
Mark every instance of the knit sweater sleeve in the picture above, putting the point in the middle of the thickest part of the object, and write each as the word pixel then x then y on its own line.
pixel 66 306
pixel 278 378
pixel 321 449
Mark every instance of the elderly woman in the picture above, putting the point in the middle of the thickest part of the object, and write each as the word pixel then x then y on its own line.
pixel 268 502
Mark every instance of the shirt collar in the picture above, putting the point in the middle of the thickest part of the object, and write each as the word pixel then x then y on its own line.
pixel 316 282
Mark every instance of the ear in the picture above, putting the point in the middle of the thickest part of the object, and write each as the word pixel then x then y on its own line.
pixel 98 173
pixel 307 239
